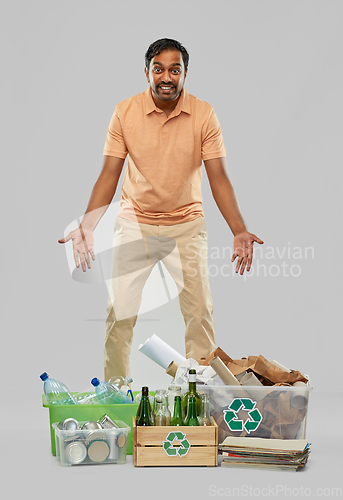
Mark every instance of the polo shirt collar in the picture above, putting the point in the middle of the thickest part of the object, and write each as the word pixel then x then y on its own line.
pixel 182 105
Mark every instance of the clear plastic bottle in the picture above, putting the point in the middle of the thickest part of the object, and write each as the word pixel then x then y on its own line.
pixel 123 384
pixel 85 398
pixel 108 393
pixel 55 392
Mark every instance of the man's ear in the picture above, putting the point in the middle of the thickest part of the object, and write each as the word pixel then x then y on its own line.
pixel 147 74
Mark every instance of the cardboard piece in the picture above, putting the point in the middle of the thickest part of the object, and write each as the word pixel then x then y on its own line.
pixel 276 374
pixel 172 368
pixel 265 371
pixel 223 371
pixel 221 354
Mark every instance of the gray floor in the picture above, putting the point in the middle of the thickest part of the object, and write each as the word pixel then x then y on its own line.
pixel 29 467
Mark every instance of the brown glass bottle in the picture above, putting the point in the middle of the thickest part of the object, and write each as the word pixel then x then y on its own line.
pixel 144 409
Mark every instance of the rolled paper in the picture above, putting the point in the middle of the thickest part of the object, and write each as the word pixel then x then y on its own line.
pixel 299 399
pixel 250 379
pixel 239 376
pixel 223 372
pixel 172 369
pixel 279 365
pixel 227 377
pixel 160 352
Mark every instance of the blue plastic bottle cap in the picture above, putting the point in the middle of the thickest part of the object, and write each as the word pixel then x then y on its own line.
pixel 44 376
pixel 95 381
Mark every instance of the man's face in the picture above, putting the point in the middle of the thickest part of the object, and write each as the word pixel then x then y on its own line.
pixel 166 75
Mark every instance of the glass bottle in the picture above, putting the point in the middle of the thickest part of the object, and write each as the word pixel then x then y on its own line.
pixel 145 409
pixel 166 410
pixel 160 418
pixel 177 416
pixel 205 417
pixel 138 399
pixel 191 391
pixel 173 390
pixel 159 395
pixel 192 418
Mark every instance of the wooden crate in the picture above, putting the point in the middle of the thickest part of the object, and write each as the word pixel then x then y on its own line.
pixel 175 445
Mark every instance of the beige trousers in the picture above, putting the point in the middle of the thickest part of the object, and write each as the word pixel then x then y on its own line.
pixel 136 250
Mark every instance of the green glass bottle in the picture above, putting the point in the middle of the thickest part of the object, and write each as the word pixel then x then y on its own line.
pixel 192 418
pixel 140 405
pixel 177 417
pixel 145 412
pixel 191 391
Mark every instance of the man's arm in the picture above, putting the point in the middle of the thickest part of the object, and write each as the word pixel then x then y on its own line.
pixel 225 198
pixel 101 197
pixel 103 191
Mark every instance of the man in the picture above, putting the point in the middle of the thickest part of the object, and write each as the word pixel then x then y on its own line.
pixel 166 133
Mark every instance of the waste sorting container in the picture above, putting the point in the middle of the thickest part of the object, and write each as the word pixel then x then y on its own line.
pixel 277 412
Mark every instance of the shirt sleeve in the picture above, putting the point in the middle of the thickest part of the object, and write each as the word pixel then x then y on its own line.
pixel 115 143
pixel 212 145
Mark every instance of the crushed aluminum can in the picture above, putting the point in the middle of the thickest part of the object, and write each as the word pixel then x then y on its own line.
pixel 107 423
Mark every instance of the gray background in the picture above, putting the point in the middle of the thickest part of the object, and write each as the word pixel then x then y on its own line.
pixel 272 70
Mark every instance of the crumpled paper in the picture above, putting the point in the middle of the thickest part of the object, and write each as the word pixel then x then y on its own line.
pixel 204 374
pixel 264 370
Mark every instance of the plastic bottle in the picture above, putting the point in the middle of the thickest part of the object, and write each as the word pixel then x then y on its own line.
pixel 55 392
pixel 108 393
pixel 123 384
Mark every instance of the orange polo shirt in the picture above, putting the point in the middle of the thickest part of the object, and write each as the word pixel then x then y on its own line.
pixel 162 182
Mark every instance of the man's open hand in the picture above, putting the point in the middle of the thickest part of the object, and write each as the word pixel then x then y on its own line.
pixel 243 250
pixel 82 246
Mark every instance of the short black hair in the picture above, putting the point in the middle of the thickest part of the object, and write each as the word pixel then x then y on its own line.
pixel 163 44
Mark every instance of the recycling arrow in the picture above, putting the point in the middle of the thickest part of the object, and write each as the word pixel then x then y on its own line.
pixel 254 416
pixel 182 450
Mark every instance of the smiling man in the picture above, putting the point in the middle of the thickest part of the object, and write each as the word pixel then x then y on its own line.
pixel 165 133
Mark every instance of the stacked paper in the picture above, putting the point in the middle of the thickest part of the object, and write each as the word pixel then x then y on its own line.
pixel 260 453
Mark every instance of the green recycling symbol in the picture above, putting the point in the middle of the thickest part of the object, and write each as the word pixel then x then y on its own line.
pixel 182 449
pixel 254 416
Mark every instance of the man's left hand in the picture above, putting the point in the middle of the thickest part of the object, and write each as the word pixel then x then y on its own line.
pixel 243 250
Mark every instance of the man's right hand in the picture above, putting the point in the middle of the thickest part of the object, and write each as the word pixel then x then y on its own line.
pixel 82 246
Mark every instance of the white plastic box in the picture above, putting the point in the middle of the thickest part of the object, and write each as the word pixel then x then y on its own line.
pixel 99 446
pixel 274 412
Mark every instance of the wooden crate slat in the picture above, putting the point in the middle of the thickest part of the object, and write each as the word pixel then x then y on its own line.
pixel 156 456
pixel 156 435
